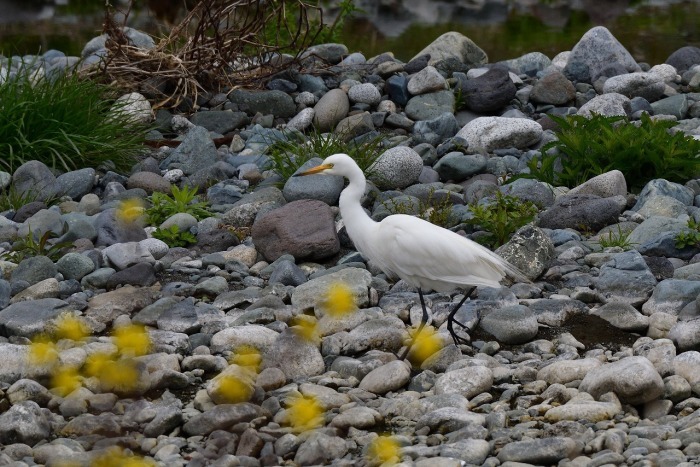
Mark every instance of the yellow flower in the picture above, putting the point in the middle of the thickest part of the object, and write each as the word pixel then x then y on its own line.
pixel 132 340
pixel 42 351
pixel 96 363
pixel 382 450
pixel 130 210
pixel 119 375
pixel 65 380
pixel 425 344
pixel 247 356
pixel 69 326
pixel 116 457
pixel 304 413
pixel 339 300
pixel 234 389
pixel 306 328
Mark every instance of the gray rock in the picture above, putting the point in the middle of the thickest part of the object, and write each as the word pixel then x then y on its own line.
pixel 488 92
pixel 543 451
pixel 29 318
pixel 653 227
pixel 686 334
pixel 24 422
pixel 357 417
pixel 304 229
pixel 331 109
pixel 28 390
pixel 605 185
pixel 212 287
pixel 253 335
pixel 426 80
pixel 449 419
pixel 330 52
pixel 598 54
pixel 149 182
pixel 221 417
pixel 389 377
pixel 511 325
pixel 529 64
pixel 650 86
pixel 454 45
pixel 469 381
pixel 302 120
pixel 471 451
pixel 623 316
pixel 76 183
pixel 355 125
pixel 105 307
pixel 122 255
pixel 364 93
pixel 530 250
pixel 626 278
pixel 47 288
pixel 34 269
pixel 665 245
pixel 430 106
pixel 320 449
pixel 197 150
pixel 577 211
pixel 397 89
pixel 661 187
pixel 4 293
pixel 633 379
pixel 437 130
pixel 295 356
pixel 670 296
pixel 662 206
pixel 674 105
pixel 287 273
pixel 554 88
pixel 457 167
pixel 183 220
pixel 220 121
pixel 687 365
pixel 35 178
pixel 111 230
pixel 530 190
pixel 39 223
pixel 387 334
pixel 13 361
pixel 566 371
pixel 397 167
pixel 551 312
pixel 75 265
pixel 277 103
pixel 139 274
pixel 608 105
pixel 489 133
pixel 311 294
pixel 181 317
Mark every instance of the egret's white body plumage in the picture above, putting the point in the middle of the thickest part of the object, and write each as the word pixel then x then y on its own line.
pixel 424 255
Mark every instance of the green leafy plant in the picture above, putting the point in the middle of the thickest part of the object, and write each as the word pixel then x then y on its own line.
pixel 436 210
pixel 619 239
pixel 644 150
pixel 287 155
pixel 182 200
pixel 65 122
pixel 12 199
pixel 174 237
pixel 689 237
pixel 29 246
pixel 501 217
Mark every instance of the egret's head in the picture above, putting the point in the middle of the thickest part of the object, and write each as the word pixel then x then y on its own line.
pixel 337 164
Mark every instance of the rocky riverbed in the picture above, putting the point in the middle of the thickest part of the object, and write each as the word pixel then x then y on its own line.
pixel 590 364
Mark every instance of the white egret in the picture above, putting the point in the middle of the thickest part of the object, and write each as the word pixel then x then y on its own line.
pixel 426 256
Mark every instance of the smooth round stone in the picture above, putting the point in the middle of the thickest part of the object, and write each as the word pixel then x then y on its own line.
pixel 365 93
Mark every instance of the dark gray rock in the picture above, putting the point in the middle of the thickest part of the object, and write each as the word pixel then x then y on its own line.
pixel 75 265
pixel 456 166
pixel 34 269
pixel 225 192
pixel 149 182
pixel 29 318
pixel 220 239
pixel 4 293
pixel 321 187
pixel 489 92
pixel 437 130
pixel 24 422
pixel 196 151
pixel 207 176
pixel 305 229
pixel 529 64
pixel 220 121
pixel 684 58
pixel 674 105
pixel 671 296
pixel 140 274
pixel 221 417
pixel 397 89
pixel 556 312
pixel 530 250
pixel 542 451
pixel 287 273
pixel 181 317
pixel 278 103
pixel 530 190
pixel 583 211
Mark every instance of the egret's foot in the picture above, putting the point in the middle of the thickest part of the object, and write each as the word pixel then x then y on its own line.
pixel 455 337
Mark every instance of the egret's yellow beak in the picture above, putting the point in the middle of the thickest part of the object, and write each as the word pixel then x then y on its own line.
pixel 314 170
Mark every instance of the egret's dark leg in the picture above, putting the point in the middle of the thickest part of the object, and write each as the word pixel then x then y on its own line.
pixel 423 321
pixel 451 319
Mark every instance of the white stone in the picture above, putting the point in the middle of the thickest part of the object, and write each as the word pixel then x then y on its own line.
pixel 426 80
pixel 489 133
pixel 133 106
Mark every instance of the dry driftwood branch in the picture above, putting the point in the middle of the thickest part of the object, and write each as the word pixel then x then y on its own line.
pixel 219 45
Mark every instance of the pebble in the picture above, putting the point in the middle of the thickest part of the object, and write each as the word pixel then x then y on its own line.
pixel 593 363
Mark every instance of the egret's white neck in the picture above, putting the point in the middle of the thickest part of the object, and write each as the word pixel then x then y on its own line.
pixel 355 218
